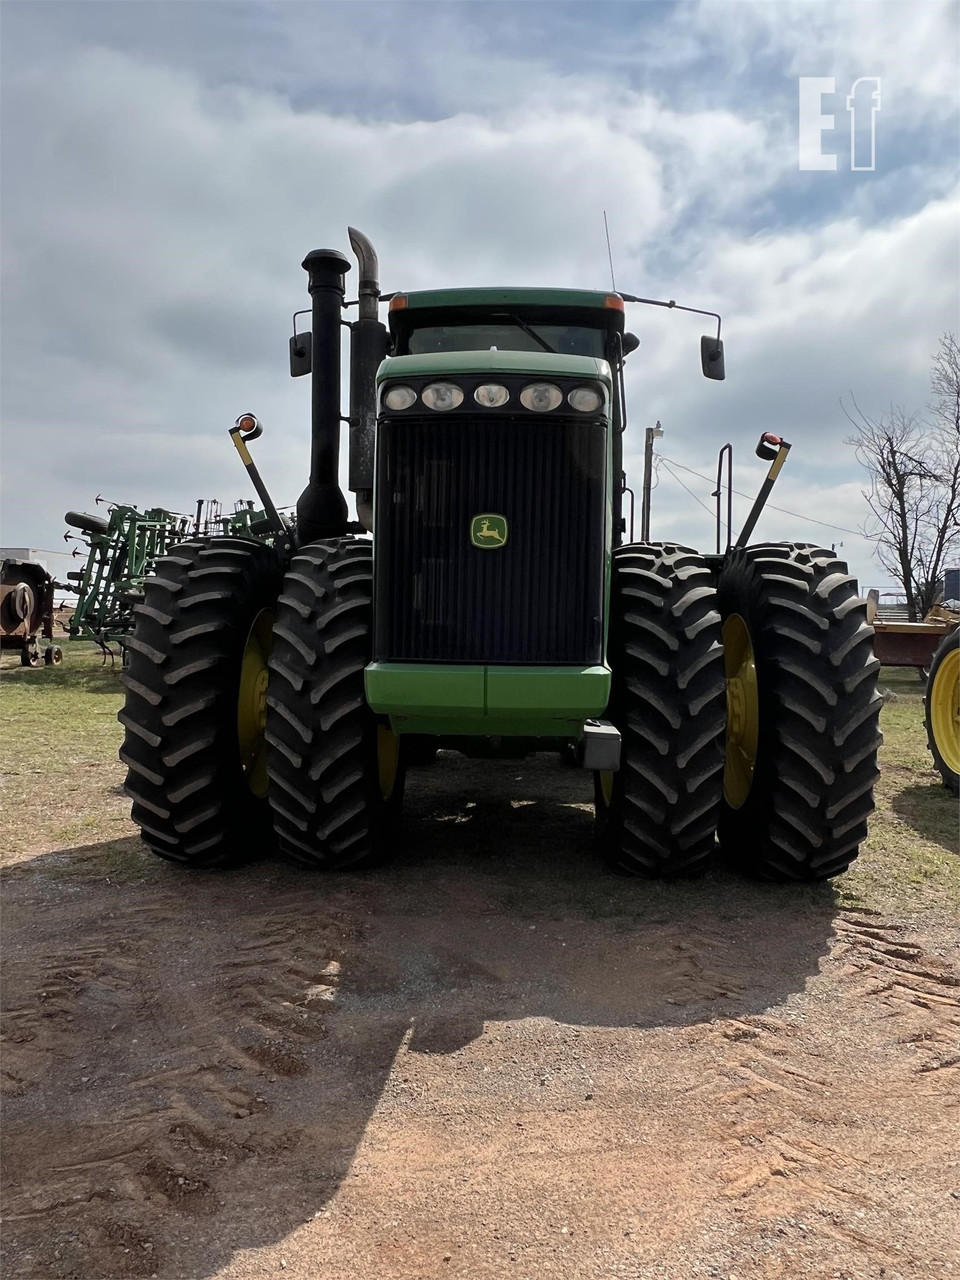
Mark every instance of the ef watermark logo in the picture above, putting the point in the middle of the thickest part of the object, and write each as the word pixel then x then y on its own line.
pixel 863 103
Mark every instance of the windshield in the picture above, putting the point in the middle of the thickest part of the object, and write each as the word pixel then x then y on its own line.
pixel 505 335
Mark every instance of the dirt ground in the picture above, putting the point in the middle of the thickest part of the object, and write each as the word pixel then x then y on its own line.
pixel 488 1059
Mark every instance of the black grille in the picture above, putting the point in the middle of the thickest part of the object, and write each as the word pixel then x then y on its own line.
pixel 537 599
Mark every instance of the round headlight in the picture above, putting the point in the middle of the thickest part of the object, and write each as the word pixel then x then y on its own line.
pixel 540 396
pixel 491 395
pixel 586 399
pixel 442 396
pixel 400 398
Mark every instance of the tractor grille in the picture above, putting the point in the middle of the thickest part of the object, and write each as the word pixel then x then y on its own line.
pixel 536 599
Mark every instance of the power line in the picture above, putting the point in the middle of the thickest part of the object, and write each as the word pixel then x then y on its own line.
pixel 783 510
pixel 665 461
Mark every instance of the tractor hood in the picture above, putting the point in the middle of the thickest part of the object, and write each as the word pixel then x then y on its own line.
pixel 542 363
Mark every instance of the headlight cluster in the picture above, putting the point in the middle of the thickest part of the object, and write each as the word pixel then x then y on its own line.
pixel 540 397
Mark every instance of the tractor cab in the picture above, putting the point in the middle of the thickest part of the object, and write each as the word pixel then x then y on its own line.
pixel 564 322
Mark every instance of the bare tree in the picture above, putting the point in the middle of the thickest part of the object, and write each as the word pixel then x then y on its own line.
pixel 913 463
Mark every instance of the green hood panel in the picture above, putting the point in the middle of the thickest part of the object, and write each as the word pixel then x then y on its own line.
pixel 537 363
pixel 482 701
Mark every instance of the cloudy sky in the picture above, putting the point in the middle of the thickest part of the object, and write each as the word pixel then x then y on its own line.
pixel 166 166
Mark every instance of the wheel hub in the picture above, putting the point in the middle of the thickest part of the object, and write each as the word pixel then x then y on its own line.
pixel 252 702
pixel 736 708
pixel 945 710
pixel 742 711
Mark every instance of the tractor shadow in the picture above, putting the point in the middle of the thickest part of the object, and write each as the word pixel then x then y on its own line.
pixel 931 811
pixel 193 1061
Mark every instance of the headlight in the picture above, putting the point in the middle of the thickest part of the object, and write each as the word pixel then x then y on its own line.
pixel 400 398
pixel 441 396
pixel 491 395
pixel 586 399
pixel 541 396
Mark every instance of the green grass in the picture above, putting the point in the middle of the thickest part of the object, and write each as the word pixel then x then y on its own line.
pixel 910 859
pixel 59 739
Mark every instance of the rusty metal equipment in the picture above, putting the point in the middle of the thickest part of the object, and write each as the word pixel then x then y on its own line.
pixel 907 644
pixel 26 612
pixel 898 643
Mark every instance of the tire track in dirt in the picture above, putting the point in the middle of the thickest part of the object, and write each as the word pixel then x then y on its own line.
pixel 29 1021
pixel 785 1101
pixel 768 1091
pixel 49 999
pixel 167 1140
pixel 920 993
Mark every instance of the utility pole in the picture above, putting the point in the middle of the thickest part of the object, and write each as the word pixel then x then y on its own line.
pixel 653 433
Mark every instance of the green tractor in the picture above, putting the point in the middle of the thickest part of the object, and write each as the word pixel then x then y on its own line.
pixel 486 601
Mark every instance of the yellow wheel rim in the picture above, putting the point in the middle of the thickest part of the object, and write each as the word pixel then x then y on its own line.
pixel 252 703
pixel 945 710
pixel 742 711
pixel 388 760
pixel 606 786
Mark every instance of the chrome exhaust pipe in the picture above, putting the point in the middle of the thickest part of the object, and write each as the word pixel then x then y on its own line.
pixel 368 347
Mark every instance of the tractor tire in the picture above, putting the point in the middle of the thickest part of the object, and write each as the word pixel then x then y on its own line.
pixel 336 775
pixel 657 815
pixel 30 655
pixel 191 785
pixel 802 712
pixel 53 655
pixel 85 522
pixel 941 710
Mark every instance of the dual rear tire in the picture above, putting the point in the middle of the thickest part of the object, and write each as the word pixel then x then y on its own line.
pixel 246 722
pixel 750 711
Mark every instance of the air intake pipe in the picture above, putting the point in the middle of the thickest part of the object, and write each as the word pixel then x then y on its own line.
pixel 368 346
pixel 322 508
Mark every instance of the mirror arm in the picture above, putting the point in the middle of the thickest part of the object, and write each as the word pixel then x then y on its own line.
pixel 672 306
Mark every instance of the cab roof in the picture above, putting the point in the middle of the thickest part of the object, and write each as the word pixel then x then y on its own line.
pixel 442 299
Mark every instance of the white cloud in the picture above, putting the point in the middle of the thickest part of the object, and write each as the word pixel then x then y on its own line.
pixel 157 208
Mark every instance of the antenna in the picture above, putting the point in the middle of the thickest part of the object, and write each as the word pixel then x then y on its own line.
pixel 606 229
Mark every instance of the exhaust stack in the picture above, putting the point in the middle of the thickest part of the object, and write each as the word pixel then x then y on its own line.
pixel 368 346
pixel 322 508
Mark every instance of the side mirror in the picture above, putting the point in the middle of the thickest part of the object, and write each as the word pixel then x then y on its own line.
pixel 711 357
pixel 301 354
pixel 629 343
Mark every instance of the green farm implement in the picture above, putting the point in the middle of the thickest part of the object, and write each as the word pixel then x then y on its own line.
pixel 486 601
pixel 123 548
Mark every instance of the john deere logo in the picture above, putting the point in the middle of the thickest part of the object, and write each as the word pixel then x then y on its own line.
pixel 488 530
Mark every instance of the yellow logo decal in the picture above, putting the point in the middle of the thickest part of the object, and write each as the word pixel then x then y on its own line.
pixel 488 530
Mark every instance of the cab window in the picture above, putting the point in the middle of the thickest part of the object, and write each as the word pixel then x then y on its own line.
pixel 501 335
